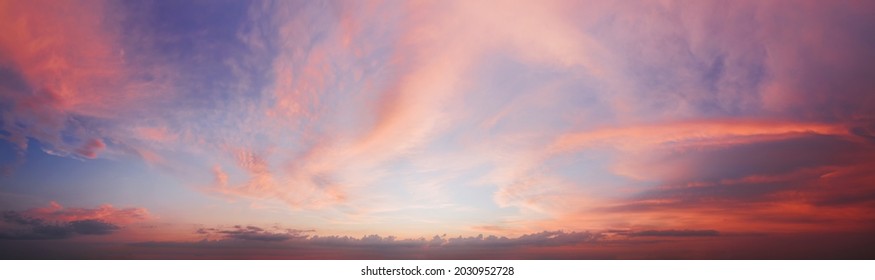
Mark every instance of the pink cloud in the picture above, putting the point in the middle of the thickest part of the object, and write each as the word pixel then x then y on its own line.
pixel 677 83
pixel 818 66
pixel 528 185
pixel 432 56
pixel 106 213
pixel 297 190
pixel 221 176
pixel 91 148
pixel 357 89
pixel 830 193
pixel 68 56
pixel 71 63
pixel 158 134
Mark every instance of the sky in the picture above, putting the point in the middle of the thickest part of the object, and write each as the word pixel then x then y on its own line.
pixel 437 129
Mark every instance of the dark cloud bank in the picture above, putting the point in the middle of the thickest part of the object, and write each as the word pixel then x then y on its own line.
pixel 21 227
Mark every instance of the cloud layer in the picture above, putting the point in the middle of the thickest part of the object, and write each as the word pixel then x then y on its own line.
pixel 410 118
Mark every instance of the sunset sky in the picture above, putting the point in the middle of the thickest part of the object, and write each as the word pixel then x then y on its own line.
pixel 437 129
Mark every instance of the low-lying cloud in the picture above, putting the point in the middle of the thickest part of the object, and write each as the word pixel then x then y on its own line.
pixel 20 227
